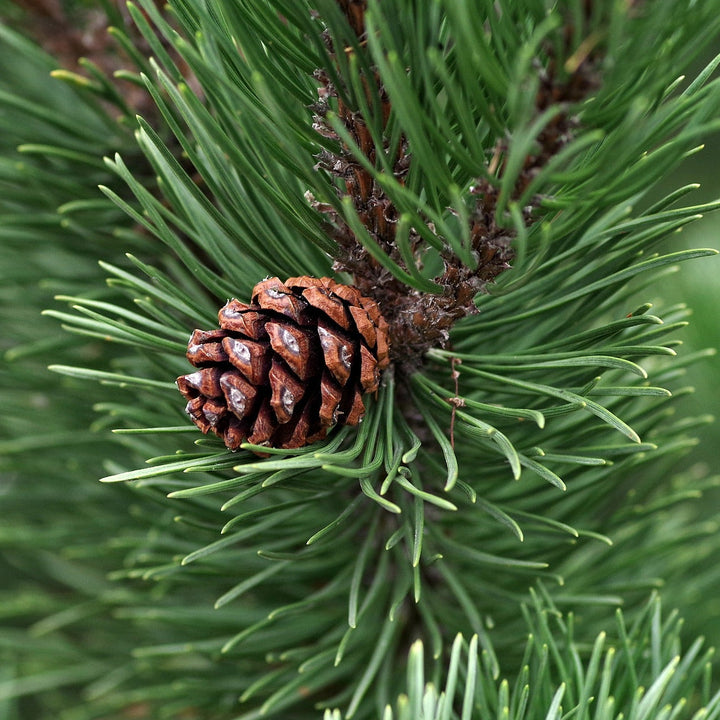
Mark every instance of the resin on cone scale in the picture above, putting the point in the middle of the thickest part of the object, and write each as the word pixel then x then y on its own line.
pixel 289 366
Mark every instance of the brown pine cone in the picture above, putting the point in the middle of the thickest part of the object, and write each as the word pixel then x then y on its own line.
pixel 285 369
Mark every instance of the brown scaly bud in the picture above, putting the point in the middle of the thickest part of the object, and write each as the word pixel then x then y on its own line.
pixel 355 12
pixel 286 368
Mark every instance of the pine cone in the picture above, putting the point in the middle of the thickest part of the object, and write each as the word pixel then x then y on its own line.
pixel 282 371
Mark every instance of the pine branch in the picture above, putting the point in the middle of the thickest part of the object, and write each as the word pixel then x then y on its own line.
pixel 519 137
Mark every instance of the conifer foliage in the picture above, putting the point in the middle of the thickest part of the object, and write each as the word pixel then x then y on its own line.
pixel 458 194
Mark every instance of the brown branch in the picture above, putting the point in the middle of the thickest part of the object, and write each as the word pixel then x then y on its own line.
pixel 418 320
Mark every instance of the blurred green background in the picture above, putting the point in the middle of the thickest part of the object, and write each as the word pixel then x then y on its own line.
pixel 697 285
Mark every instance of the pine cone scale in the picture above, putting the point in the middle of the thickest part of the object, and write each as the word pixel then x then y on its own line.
pixel 239 317
pixel 338 351
pixel 214 411
pixel 332 307
pixel 239 395
pixel 287 392
pixel 285 369
pixel 264 426
pixel 354 409
pixel 205 382
pixel 249 357
pixel 205 347
pixel 369 373
pixel 295 346
pixel 330 395
pixel 365 326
